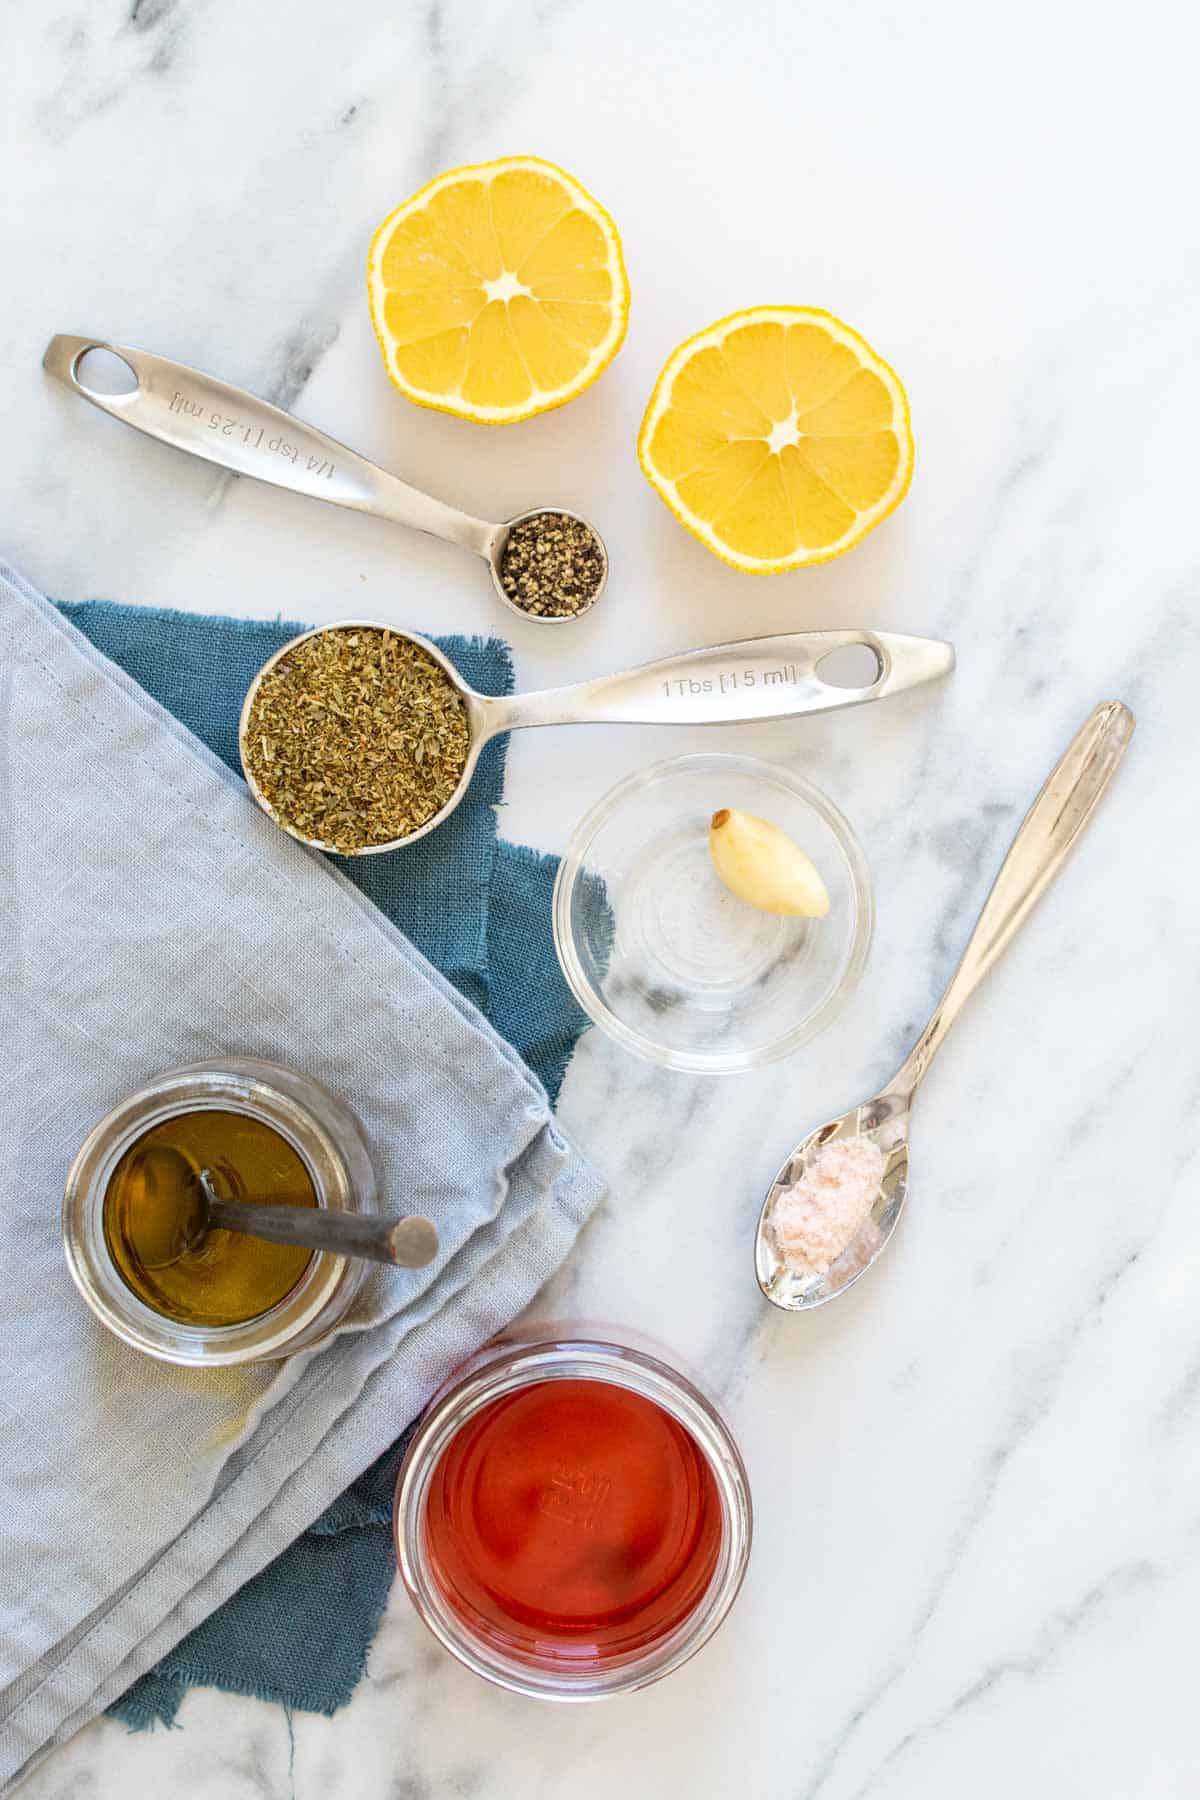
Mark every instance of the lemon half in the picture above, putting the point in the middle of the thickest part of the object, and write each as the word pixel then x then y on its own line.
pixel 778 437
pixel 498 290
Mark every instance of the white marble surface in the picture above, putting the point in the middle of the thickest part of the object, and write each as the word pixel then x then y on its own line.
pixel 977 1566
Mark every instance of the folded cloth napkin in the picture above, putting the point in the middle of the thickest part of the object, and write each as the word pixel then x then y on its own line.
pixel 152 915
pixel 478 907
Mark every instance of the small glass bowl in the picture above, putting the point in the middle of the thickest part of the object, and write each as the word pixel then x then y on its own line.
pixel 320 1128
pixel 664 958
pixel 519 1359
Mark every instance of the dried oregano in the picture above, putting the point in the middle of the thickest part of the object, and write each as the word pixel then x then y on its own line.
pixel 356 737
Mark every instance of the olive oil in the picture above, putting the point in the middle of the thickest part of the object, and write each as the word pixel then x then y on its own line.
pixel 218 1277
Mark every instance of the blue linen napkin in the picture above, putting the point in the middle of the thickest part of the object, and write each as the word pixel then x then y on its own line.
pixel 478 908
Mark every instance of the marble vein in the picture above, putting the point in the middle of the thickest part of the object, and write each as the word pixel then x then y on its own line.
pixel 1030 1404
pixel 1053 1641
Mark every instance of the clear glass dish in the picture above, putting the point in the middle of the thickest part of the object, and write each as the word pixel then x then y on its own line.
pixel 324 1132
pixel 665 959
pixel 515 1362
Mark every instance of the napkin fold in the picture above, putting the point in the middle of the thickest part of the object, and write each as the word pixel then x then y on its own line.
pixel 153 915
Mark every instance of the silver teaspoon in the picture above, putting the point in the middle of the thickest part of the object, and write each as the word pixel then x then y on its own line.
pixel 225 425
pixel 1050 828
pixel 405 1243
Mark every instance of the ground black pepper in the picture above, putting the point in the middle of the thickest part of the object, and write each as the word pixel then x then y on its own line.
pixel 552 566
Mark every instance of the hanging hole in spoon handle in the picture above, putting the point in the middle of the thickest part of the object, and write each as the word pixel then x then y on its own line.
pixel 851 666
pixel 1048 833
pixel 104 374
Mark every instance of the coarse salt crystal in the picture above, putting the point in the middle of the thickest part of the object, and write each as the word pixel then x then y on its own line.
pixel 819 1216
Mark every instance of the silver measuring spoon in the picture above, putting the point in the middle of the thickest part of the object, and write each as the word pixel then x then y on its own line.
pixel 726 684
pixel 235 430
pixel 1039 850
pixel 406 1243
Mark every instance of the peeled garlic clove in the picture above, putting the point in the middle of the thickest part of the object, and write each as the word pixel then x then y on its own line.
pixel 762 866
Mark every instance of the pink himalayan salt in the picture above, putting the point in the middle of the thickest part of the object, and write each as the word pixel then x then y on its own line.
pixel 819 1216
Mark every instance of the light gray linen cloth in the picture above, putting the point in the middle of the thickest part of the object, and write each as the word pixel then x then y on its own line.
pixel 151 915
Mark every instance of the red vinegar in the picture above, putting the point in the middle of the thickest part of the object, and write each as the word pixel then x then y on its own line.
pixel 573 1521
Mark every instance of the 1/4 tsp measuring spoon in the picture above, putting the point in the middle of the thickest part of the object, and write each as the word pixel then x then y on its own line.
pixel 1039 850
pixel 727 684
pixel 237 431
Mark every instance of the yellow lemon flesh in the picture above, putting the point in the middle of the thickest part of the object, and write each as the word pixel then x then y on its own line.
pixel 778 437
pixel 764 867
pixel 498 291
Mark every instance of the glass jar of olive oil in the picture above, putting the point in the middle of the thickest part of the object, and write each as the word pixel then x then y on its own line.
pixel 265 1133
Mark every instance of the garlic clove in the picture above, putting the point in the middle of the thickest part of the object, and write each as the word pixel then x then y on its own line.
pixel 761 865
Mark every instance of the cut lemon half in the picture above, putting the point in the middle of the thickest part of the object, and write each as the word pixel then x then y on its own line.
pixel 498 291
pixel 778 437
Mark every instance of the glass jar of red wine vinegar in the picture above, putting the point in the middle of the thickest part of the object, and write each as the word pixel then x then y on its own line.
pixel 572 1517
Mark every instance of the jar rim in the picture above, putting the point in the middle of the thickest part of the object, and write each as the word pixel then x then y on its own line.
pixel 508 1366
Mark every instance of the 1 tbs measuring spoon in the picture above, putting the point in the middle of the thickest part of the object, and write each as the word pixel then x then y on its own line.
pixel 727 684
pixel 237 431
pixel 1039 850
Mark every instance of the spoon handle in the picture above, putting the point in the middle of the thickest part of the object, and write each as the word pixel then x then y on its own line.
pixel 728 684
pixel 1039 850
pixel 237 431
pixel 407 1243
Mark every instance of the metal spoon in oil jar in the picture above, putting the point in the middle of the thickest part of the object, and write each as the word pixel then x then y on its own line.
pixel 1054 821
pixel 406 1243
pixel 225 425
